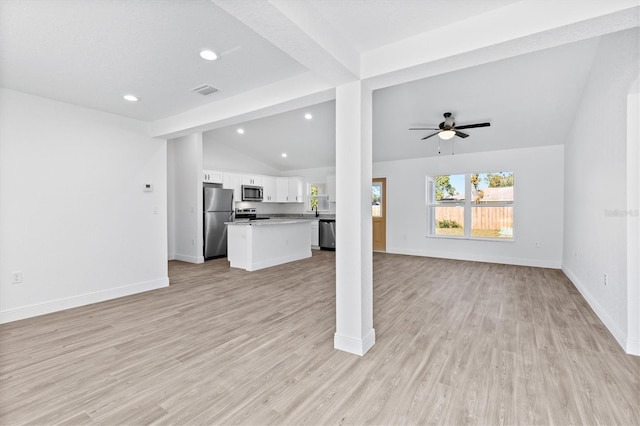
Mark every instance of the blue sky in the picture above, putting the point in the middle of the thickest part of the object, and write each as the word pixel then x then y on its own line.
pixel 458 182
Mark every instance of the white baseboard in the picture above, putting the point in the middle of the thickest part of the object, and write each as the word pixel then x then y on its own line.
pixel 80 300
pixel 606 319
pixel 478 258
pixel 187 258
pixel 633 347
pixel 279 261
pixel 355 346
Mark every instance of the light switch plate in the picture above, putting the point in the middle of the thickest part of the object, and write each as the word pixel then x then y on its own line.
pixel 148 187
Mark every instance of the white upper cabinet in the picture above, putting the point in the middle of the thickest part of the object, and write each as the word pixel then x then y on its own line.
pixel 282 189
pixel 275 189
pixel 269 189
pixel 233 181
pixel 211 176
pixel 331 188
pixel 252 180
pixel 296 185
pixel 289 190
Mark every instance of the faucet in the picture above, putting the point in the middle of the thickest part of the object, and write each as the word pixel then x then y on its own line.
pixel 316 208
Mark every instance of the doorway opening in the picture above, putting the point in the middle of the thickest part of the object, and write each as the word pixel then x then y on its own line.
pixel 379 213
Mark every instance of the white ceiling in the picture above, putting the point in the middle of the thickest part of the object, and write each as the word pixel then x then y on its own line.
pixel 307 143
pixel 530 100
pixel 368 24
pixel 91 52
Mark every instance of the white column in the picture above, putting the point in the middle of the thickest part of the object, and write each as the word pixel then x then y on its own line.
pixel 354 259
pixel 633 223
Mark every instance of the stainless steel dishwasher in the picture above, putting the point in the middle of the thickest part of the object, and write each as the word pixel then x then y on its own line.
pixel 327 229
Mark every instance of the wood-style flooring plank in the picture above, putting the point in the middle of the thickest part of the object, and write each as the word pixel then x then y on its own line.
pixel 456 343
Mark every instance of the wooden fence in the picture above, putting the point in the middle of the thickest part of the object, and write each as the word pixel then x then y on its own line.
pixel 495 218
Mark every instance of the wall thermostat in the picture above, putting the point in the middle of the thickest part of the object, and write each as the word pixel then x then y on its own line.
pixel 148 187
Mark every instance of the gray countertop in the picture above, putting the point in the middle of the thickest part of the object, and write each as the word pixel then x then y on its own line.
pixel 267 222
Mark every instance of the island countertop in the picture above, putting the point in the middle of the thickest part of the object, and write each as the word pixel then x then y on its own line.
pixel 258 244
pixel 261 222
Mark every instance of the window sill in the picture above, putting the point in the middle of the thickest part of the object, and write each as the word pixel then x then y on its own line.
pixel 454 237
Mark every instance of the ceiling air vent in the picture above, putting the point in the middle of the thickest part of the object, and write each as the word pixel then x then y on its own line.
pixel 204 89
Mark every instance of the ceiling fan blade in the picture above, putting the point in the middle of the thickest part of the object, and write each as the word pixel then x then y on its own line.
pixel 423 128
pixel 460 134
pixel 473 126
pixel 427 137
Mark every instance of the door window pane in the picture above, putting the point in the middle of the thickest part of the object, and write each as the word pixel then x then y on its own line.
pixel 376 199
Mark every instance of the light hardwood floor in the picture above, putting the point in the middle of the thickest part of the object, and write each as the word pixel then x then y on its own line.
pixel 457 343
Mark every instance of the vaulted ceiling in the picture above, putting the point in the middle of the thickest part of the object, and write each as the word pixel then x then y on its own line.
pixel 518 64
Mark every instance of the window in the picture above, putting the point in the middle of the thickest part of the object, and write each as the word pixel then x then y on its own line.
pixel 318 198
pixel 471 205
pixel 376 199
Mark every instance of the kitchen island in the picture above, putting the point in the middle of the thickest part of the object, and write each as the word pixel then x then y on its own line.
pixel 259 244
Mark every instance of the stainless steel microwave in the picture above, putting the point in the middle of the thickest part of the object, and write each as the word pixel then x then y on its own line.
pixel 251 193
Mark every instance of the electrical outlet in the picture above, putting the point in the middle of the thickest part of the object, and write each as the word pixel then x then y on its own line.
pixel 606 279
pixel 17 277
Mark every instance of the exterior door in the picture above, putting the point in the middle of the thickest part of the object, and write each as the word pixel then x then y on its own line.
pixel 379 213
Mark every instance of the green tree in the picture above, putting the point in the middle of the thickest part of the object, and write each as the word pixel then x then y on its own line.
pixel 444 187
pixel 314 197
pixel 478 194
pixel 375 194
pixel 499 180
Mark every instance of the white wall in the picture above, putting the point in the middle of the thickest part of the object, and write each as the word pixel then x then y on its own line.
pixel 218 156
pixel 185 201
pixel 595 238
pixel 538 206
pixel 73 215
pixel 633 220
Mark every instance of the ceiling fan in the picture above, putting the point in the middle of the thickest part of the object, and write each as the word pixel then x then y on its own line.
pixel 448 129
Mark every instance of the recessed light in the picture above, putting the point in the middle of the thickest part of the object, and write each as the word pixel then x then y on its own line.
pixel 308 116
pixel 240 131
pixel 130 98
pixel 209 55
pixel 284 155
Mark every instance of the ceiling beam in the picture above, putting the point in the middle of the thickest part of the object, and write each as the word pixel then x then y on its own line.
pixel 520 28
pixel 285 95
pixel 301 32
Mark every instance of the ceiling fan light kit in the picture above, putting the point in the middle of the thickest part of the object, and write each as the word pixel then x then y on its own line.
pixel 446 134
pixel 448 129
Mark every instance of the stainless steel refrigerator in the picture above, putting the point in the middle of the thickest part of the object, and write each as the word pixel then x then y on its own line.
pixel 218 209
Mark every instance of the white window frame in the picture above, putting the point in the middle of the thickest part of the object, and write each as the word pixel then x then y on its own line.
pixel 467 205
pixel 319 196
